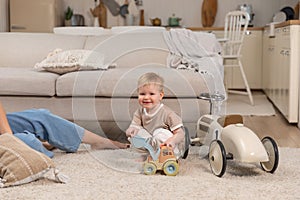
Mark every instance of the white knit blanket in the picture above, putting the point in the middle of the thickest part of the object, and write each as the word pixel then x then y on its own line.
pixel 198 51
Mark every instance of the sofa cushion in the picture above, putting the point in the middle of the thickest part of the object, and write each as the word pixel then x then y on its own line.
pixel 26 49
pixel 122 82
pixel 61 62
pixel 25 81
pixel 130 49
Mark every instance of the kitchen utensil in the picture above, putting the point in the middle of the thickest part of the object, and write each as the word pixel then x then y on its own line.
pixel 296 10
pixel 272 29
pixel 124 9
pixel 156 21
pixel 248 9
pixel 113 6
pixel 289 12
pixel 279 17
pixel 129 20
pixel 77 20
pixel 132 8
pixel 209 12
pixel 100 15
pixel 142 18
pixel 174 21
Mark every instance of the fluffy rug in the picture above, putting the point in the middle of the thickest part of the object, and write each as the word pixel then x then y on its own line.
pixel 240 104
pixel 114 174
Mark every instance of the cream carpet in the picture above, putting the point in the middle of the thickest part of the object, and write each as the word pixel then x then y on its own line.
pixel 240 104
pixel 90 178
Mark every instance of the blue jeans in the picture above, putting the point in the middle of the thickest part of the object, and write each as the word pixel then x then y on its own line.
pixel 34 125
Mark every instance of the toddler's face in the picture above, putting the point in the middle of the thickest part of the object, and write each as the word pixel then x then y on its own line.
pixel 149 96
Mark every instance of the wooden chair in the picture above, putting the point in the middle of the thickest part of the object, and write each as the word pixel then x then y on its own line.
pixel 236 24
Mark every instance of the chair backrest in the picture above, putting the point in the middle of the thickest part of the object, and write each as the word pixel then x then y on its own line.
pixel 236 24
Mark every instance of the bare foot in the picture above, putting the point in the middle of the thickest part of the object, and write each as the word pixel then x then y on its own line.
pixel 110 144
pixel 120 145
pixel 99 142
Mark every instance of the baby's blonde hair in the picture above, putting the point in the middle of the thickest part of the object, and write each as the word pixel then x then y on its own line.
pixel 151 78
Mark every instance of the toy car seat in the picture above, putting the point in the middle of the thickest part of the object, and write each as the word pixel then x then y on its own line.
pixel 231 119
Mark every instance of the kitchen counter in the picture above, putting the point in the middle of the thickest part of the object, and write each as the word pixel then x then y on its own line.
pixel 218 28
pixel 286 23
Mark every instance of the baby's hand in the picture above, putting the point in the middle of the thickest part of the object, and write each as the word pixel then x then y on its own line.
pixel 131 131
pixel 169 143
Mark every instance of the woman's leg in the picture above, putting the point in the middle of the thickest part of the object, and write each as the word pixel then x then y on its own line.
pixel 57 131
pixel 98 142
pixel 30 139
pixel 60 133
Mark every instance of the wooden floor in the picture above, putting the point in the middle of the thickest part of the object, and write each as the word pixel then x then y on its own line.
pixel 285 134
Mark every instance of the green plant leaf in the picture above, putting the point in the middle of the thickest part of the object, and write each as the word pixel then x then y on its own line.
pixel 68 13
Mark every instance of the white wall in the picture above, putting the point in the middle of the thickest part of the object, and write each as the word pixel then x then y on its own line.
pixel 188 10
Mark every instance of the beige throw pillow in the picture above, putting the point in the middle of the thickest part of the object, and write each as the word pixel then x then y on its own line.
pixel 20 164
pixel 61 62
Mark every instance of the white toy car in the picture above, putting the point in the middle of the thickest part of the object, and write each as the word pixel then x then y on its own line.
pixel 228 138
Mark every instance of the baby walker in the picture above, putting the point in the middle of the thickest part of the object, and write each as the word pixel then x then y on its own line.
pixel 229 139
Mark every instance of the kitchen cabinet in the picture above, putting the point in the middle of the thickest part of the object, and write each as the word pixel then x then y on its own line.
pixel 281 69
pixel 35 15
pixel 251 59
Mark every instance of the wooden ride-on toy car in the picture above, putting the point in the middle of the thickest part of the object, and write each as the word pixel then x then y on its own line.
pixel 228 138
pixel 161 159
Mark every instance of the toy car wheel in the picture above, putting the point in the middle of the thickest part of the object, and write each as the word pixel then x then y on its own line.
pixel 149 169
pixel 171 168
pixel 186 144
pixel 186 153
pixel 217 158
pixel 273 154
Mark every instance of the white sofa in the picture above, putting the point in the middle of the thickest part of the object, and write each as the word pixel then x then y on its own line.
pixel 100 100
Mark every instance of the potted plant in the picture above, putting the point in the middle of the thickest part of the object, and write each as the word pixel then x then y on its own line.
pixel 68 16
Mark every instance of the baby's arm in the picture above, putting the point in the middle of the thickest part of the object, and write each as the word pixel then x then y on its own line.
pixel 132 131
pixel 135 126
